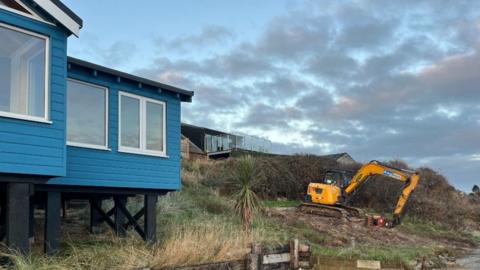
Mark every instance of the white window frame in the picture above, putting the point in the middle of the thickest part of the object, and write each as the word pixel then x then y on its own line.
pixel 33 14
pixel 46 117
pixel 142 150
pixel 87 145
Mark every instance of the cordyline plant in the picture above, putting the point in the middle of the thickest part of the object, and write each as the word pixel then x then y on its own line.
pixel 247 202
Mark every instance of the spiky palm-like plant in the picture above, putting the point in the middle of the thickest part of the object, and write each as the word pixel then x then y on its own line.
pixel 247 202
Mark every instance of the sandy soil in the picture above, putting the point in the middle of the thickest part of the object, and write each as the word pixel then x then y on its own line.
pixel 343 232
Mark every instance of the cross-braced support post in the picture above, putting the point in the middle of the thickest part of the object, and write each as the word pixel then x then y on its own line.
pixel 52 222
pixel 95 215
pixel 120 230
pixel 123 219
pixel 150 225
pixel 18 216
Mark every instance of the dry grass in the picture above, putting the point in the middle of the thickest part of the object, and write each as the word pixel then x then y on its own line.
pixel 186 245
pixel 198 225
pixel 195 226
pixel 213 241
pixel 100 253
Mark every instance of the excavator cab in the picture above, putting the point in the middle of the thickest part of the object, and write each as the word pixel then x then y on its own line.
pixel 339 178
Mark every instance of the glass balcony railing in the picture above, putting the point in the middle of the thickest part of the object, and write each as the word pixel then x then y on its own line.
pixel 217 143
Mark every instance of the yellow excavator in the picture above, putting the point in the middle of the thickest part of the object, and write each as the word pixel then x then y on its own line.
pixel 330 198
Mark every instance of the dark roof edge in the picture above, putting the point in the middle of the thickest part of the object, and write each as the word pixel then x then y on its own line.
pixel 207 129
pixel 68 11
pixel 185 93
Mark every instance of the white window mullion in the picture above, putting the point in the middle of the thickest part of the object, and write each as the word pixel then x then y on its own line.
pixel 143 133
pixel 164 127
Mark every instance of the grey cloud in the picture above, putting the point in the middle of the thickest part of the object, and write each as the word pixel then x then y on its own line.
pixel 209 35
pixel 295 36
pixel 235 64
pixel 378 79
pixel 315 103
pixel 118 53
pixel 332 66
pixel 364 35
pixel 282 86
pixel 266 117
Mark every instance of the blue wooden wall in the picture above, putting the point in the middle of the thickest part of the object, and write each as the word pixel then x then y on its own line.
pixel 28 147
pixel 34 148
pixel 91 167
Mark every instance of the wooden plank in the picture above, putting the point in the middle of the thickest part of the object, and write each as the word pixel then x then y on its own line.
pixel 104 216
pixel 276 258
pixel 127 214
pixel 368 264
pixel 137 217
pixel 304 264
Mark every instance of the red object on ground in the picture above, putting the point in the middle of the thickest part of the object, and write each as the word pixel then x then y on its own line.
pixel 381 222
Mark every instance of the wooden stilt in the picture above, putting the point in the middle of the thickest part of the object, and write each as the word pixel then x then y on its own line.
pixel 120 202
pixel 31 230
pixel 52 222
pixel 18 216
pixel 64 208
pixel 95 216
pixel 150 218
pixel 3 203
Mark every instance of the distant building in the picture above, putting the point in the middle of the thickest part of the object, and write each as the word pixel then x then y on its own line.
pixel 217 143
pixel 342 158
pixel 191 151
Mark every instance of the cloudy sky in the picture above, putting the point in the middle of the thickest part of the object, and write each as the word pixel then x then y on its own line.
pixel 378 79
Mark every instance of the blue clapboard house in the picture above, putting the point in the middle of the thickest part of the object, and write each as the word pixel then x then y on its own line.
pixel 70 129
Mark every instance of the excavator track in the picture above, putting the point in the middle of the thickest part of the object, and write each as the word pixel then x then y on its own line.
pixel 335 211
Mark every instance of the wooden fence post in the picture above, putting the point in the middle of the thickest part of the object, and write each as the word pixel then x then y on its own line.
pixel 254 259
pixel 294 254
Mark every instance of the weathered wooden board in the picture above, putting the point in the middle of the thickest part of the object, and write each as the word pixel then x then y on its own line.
pixel 233 265
pixel 276 258
pixel 366 264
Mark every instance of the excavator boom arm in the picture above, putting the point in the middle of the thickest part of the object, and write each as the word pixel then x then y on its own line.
pixel 372 168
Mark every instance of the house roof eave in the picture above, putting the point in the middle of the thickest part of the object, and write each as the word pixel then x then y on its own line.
pixel 62 14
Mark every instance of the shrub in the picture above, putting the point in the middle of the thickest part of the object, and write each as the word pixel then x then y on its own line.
pixel 247 202
pixel 288 177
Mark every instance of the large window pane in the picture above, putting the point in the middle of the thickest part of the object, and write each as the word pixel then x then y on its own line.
pixel 154 126
pixel 142 128
pixel 86 113
pixel 130 122
pixel 22 73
